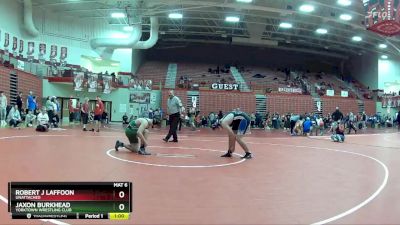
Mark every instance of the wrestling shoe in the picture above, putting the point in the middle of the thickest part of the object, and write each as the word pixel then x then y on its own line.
pixel 227 155
pixel 164 139
pixel 248 155
pixel 118 144
pixel 142 151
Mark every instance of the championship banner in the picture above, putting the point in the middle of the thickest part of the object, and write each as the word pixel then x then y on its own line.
pixel 107 84
pixel 21 46
pixel 194 101
pixel 42 49
pixel 291 90
pixel 140 97
pixel 384 102
pixel 390 101
pixel 319 106
pixel 330 92
pixel 15 41
pixel 31 48
pixel 344 94
pixel 53 51
pixel 20 65
pixel 64 53
pixel 92 82
pixel 6 40
pixel 78 81
pixel 136 84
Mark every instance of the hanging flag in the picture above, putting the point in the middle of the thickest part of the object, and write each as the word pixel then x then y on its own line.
pixel 53 51
pixel 42 49
pixel 64 53
pixel 31 48
pixel 107 84
pixel 6 40
pixel 21 46
pixel 15 42
pixel 92 82
pixel 78 81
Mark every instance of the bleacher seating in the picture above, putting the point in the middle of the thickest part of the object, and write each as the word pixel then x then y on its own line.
pixel 323 82
pixel 26 82
pixel 198 73
pixel 153 70
pixel 273 79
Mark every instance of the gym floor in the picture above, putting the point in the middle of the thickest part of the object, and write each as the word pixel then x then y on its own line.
pixel 290 180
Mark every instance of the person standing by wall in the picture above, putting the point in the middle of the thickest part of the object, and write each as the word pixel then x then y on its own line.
pixel 71 109
pixel 98 113
pixel 19 101
pixel 3 109
pixel 351 123
pixel 85 113
pixel 77 111
pixel 30 102
pixel 174 109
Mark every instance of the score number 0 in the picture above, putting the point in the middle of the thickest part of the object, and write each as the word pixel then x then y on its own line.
pixel 121 194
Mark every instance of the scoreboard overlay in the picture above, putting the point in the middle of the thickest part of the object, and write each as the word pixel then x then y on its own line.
pixel 70 200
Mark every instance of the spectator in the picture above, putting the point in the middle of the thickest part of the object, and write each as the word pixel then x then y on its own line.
pixel 50 110
pixel 258 120
pixel 71 109
pixel 220 115
pixel 293 119
pixel 43 121
pixel 19 102
pixel 30 102
pixel 192 115
pixel 204 121
pixel 398 120
pixel 151 114
pixel 29 118
pixel 3 109
pixel 56 110
pixel 253 120
pixel 339 133
pixel 125 120
pixel 350 123
pixel 15 117
pixel 85 113
pixel 307 126
pixel 77 111
pixel 337 116
pixel 286 122
pixel 104 118
pixel 319 126
pixel 98 112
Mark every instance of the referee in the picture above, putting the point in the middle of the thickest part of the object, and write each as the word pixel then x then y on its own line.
pixel 174 107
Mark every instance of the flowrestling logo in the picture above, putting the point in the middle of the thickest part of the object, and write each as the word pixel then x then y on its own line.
pixel 380 15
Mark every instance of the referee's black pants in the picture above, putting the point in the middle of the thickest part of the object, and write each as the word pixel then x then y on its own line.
pixel 173 126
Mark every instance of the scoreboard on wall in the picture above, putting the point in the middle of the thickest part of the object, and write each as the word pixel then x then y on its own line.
pixel 65 200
